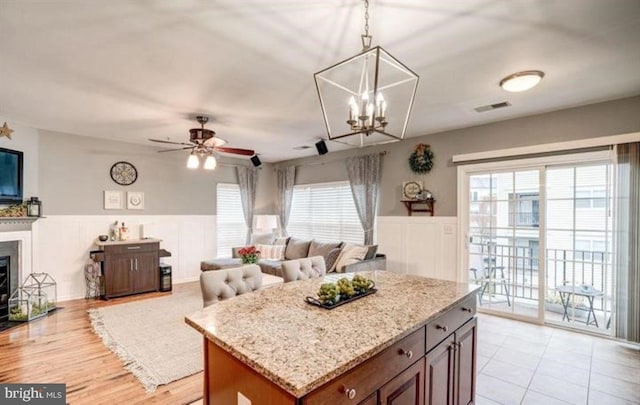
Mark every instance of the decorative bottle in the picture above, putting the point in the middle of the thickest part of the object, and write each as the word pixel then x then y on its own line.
pixel 124 232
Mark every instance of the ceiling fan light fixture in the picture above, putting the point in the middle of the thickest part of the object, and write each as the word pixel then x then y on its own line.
pixel 521 81
pixel 210 163
pixel 193 162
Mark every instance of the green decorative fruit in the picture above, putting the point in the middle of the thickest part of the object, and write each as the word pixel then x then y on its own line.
pixel 361 284
pixel 329 294
pixel 346 287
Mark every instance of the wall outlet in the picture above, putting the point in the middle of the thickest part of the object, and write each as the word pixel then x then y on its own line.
pixel 448 229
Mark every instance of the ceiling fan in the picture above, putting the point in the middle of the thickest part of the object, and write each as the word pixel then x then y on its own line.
pixel 203 144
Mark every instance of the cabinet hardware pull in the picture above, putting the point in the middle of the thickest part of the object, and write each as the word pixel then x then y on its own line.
pixel 444 328
pixel 466 309
pixel 136 264
pixel 130 264
pixel 350 392
pixel 133 247
pixel 408 353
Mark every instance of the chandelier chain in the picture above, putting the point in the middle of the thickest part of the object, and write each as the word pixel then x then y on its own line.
pixel 366 17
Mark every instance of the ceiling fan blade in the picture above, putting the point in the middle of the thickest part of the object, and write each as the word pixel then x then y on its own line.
pixel 170 142
pixel 173 150
pixel 235 151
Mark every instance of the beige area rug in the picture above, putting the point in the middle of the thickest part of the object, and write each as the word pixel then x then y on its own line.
pixel 151 337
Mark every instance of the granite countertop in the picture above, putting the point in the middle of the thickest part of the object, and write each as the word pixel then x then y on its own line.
pixel 126 242
pixel 299 347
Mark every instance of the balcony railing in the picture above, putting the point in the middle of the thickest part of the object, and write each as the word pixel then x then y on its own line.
pixel 519 265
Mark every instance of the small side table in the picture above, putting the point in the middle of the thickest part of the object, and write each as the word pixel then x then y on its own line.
pixel 590 293
pixel 427 205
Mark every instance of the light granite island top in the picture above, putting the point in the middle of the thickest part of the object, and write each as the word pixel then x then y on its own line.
pixel 300 347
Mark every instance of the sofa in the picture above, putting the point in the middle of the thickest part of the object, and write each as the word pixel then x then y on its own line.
pixel 339 257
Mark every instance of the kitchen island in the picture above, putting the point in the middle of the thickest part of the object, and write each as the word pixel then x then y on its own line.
pixel 413 342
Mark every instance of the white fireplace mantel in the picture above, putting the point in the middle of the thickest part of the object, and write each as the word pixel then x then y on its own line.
pixel 25 250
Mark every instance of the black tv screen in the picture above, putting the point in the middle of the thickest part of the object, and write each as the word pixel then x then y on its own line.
pixel 10 176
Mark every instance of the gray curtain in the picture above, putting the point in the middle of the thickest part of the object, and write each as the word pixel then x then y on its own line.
pixel 364 174
pixel 627 316
pixel 286 178
pixel 248 182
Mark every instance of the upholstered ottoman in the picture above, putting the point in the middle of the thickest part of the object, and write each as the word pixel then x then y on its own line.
pixel 218 264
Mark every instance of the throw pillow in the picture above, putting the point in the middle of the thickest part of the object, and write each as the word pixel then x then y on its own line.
pixel 282 240
pixel 271 252
pixel 331 259
pixel 322 249
pixel 371 252
pixel 297 249
pixel 350 254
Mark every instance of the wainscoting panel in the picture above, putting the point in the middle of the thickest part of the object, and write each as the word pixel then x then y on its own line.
pixel 424 246
pixel 64 241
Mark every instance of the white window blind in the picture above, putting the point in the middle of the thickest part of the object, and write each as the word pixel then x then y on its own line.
pixel 325 212
pixel 231 230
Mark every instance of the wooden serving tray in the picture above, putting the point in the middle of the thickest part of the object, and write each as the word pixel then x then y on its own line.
pixel 316 302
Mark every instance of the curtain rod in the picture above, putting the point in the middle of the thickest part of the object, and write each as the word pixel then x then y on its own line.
pixel 384 152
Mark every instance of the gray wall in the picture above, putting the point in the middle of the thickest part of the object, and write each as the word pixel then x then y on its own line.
pixel 602 119
pixel 74 171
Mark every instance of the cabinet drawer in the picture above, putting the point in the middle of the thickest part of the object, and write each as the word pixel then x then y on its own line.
pixel 366 378
pixel 131 248
pixel 446 324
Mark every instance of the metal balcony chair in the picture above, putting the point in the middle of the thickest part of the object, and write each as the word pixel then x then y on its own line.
pixel 487 277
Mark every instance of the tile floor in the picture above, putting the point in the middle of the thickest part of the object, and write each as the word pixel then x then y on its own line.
pixel 521 363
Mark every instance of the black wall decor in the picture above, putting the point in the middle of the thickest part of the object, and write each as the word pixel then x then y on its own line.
pixel 256 160
pixel 321 146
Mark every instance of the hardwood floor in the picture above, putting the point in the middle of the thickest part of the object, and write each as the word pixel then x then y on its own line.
pixel 62 348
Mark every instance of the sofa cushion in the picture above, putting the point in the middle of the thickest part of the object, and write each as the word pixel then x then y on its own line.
pixel 322 249
pixel 332 258
pixel 371 252
pixel 272 252
pixel 282 240
pixel 350 254
pixel 273 267
pixel 297 249
pixel 263 238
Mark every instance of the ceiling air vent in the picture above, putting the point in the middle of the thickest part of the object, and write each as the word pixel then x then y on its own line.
pixel 490 107
pixel 303 147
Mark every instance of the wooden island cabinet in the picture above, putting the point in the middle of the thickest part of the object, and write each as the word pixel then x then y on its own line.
pixel 129 267
pixel 432 362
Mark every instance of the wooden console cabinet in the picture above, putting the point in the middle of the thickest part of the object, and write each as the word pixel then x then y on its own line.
pixel 130 268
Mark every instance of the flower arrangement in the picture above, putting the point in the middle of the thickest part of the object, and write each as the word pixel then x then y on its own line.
pixel 249 255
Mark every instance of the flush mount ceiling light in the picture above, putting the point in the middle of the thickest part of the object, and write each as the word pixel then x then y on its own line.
pixel 521 81
pixel 366 99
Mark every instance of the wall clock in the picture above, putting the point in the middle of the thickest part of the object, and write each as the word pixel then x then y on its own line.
pixel 124 173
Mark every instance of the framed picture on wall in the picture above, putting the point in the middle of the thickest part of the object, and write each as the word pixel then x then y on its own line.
pixel 112 200
pixel 135 200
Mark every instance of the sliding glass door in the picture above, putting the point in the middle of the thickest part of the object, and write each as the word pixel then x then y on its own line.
pixel 504 240
pixel 539 238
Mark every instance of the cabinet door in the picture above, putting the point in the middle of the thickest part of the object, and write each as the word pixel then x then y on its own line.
pixel 145 274
pixel 118 279
pixel 405 389
pixel 439 373
pixel 371 400
pixel 466 338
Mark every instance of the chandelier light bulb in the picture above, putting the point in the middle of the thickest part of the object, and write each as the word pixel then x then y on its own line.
pixel 521 81
pixel 210 163
pixel 193 162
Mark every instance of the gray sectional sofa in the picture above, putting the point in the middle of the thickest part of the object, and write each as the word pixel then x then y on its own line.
pixel 298 249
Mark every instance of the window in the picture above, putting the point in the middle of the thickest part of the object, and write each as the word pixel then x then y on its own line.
pixel 524 209
pixel 325 212
pixel 231 229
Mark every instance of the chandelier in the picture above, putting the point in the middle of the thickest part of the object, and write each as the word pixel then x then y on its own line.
pixel 366 99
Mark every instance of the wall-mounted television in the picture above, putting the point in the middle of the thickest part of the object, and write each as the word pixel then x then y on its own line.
pixel 11 162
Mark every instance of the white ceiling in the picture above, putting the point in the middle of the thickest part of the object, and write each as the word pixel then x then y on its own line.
pixel 132 70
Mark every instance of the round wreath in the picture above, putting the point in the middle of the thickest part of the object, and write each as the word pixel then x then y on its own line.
pixel 421 160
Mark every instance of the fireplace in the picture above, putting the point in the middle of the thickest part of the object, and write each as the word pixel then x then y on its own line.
pixel 8 275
